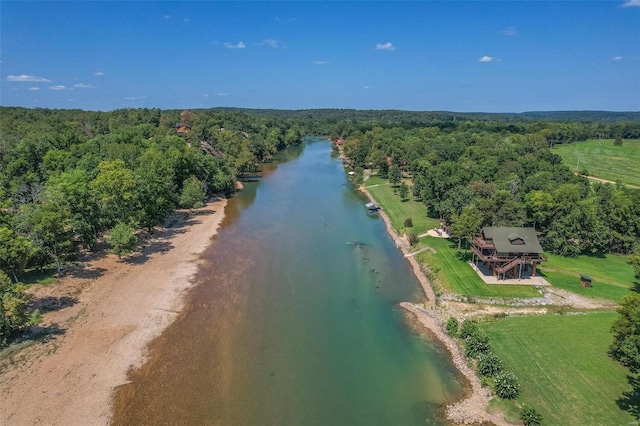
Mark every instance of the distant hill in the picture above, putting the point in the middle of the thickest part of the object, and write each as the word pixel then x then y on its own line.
pixel 395 116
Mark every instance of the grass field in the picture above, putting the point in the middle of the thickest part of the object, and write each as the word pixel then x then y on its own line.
pixel 563 368
pixel 604 160
pixel 458 277
pixel 613 277
pixel 399 210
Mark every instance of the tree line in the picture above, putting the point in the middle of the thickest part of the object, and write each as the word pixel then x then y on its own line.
pixel 472 177
pixel 68 177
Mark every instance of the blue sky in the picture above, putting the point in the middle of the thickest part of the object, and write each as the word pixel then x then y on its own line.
pixel 507 56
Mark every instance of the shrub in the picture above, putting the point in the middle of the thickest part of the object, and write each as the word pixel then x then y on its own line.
pixel 477 344
pixel 617 142
pixel 452 326
pixel 13 308
pixel 468 328
pixel 408 222
pixel 122 239
pixel 489 364
pixel 530 417
pixel 506 385
pixel 413 239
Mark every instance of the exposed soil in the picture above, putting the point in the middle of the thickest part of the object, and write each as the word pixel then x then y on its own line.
pixel 99 320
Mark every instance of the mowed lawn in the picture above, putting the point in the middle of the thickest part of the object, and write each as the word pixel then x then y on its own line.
pixel 562 364
pixel 397 210
pixel 604 160
pixel 457 276
pixel 613 277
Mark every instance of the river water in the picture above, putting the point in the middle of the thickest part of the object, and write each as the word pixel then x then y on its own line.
pixel 290 322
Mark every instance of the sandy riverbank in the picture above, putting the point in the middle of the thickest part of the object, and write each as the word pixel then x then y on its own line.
pixel 110 311
pixel 473 408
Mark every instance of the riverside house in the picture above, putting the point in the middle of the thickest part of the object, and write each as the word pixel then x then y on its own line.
pixel 508 252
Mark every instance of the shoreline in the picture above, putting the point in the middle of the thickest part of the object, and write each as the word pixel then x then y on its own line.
pixel 472 408
pixel 114 310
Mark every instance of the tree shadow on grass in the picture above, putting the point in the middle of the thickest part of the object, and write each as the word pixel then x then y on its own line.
pixel 630 400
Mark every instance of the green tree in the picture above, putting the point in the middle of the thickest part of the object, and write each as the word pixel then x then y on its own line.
pixel 122 239
pixel 49 227
pixel 72 189
pixel 467 224
pixel 403 190
pixel 395 175
pixel 115 187
pixel 13 308
pixel 15 252
pixel 635 262
pixel 193 194
pixel 625 347
pixel 155 187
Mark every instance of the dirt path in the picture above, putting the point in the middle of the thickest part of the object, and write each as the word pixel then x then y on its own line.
pixel 108 312
pixel 597 179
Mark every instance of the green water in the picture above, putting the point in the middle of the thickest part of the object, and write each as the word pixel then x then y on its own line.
pixel 289 324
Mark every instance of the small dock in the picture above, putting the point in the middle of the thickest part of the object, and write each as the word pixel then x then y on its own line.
pixel 373 207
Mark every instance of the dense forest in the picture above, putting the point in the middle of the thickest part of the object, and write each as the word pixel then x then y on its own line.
pixel 475 174
pixel 69 177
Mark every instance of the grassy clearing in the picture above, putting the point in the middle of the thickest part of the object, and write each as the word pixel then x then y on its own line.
pixel 563 367
pixel 399 210
pixel 604 160
pixel 454 273
pixel 613 277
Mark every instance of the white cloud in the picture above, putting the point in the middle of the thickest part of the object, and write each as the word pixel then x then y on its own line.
pixel 222 94
pixel 98 74
pixel 616 58
pixel 58 87
pixel 487 59
pixel 509 31
pixel 34 88
pixel 130 98
pixel 321 62
pixel 29 78
pixel 240 45
pixel 385 46
pixel 631 3
pixel 366 87
pixel 84 86
pixel 270 43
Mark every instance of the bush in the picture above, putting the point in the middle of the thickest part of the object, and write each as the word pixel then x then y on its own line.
pixel 530 417
pixel 477 344
pixel 122 240
pixel 408 222
pixel 413 239
pixel 452 326
pixel 617 142
pixel 468 328
pixel 13 308
pixel 507 386
pixel 489 364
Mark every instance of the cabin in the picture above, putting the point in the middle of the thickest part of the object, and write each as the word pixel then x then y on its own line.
pixel 508 251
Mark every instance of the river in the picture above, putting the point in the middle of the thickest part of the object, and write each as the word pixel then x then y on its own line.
pixel 294 318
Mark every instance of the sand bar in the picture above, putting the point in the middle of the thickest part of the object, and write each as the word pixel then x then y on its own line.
pixel 113 310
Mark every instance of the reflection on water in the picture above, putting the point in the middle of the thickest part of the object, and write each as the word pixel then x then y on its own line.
pixel 291 325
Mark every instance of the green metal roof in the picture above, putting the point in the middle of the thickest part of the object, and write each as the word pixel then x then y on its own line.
pixel 504 237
